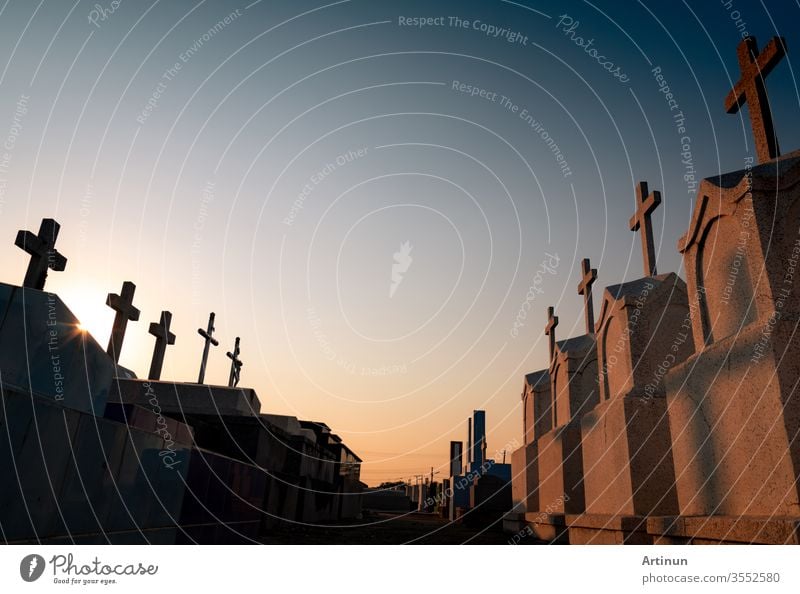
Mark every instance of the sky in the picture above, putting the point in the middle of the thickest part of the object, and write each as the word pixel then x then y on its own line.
pixel 380 198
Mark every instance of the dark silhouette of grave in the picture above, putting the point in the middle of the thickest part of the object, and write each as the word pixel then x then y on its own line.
pixel 92 454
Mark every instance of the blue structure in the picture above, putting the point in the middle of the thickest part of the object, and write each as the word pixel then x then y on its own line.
pixel 482 483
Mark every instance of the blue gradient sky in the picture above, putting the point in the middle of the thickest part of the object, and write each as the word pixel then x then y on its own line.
pixel 263 124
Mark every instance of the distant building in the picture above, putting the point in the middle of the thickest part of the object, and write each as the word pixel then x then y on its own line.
pixel 478 490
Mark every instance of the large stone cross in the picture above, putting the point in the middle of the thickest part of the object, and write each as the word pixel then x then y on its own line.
pixel 208 334
pixel 589 275
pixel 646 203
pixel 751 90
pixel 42 249
pixel 236 365
pixel 163 338
pixel 550 330
pixel 123 305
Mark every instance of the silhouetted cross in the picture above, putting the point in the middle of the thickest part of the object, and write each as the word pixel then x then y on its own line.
pixel 550 330
pixel 209 340
pixel 751 90
pixel 123 305
pixel 236 365
pixel 645 205
pixel 43 253
pixel 163 338
pixel 585 289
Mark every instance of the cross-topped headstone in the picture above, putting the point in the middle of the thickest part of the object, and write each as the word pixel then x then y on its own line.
pixel 751 90
pixel 550 330
pixel 236 365
pixel 43 252
pixel 208 334
pixel 123 305
pixel 163 338
pixel 589 275
pixel 646 203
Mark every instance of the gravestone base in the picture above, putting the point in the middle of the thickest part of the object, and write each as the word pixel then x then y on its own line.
pixel 608 529
pixel 682 530
pixel 548 527
pixel 627 461
pixel 734 422
pixel 514 522
pixel 560 462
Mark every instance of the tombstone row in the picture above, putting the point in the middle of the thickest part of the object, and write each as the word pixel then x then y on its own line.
pixel 674 418
pixel 44 256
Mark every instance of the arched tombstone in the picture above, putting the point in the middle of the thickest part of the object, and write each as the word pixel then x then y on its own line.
pixel 537 421
pixel 642 332
pixel 573 388
pixel 733 410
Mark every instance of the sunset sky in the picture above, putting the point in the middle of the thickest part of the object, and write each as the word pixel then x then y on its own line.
pixel 366 202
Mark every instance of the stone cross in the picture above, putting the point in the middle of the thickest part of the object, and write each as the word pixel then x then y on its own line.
pixel 236 365
pixel 646 203
pixel 42 249
pixel 585 289
pixel 751 90
pixel 550 330
pixel 123 305
pixel 163 338
pixel 209 340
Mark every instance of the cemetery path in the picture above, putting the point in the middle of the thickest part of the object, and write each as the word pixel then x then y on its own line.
pixel 387 528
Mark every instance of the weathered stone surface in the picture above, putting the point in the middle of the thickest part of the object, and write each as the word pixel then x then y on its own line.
pixel 734 425
pixel 525 478
pixel 644 329
pixel 627 460
pixel 561 471
pixel 751 89
pixel 724 529
pixel 608 529
pixel 733 415
pixel 742 248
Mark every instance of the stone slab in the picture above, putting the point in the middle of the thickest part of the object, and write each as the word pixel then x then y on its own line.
pixel 724 529
pixel 608 529
pixel 551 528
pixel 560 460
pixel 525 478
pixel 176 398
pixel 627 458
pixel 734 424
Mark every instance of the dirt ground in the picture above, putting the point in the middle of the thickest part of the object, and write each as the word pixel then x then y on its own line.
pixel 388 528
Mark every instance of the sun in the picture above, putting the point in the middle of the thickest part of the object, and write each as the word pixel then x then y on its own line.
pixel 88 305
